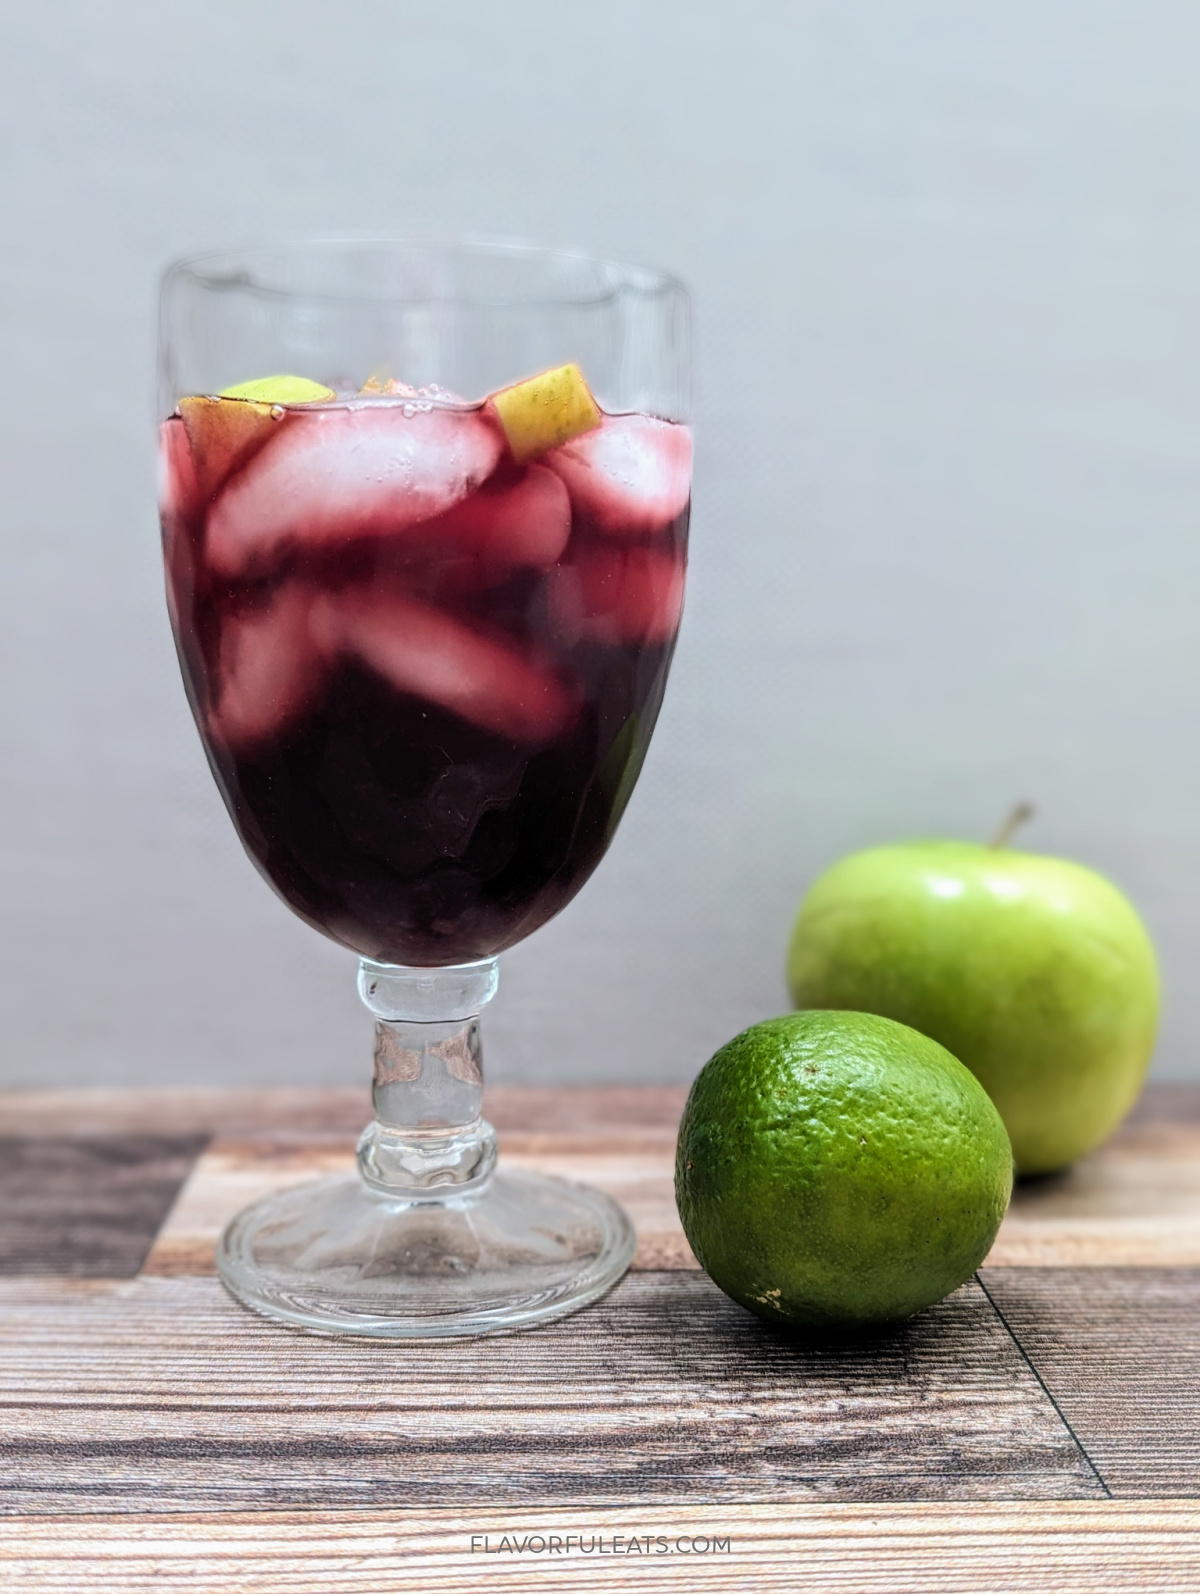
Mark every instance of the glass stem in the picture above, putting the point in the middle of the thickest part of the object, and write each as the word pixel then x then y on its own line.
pixel 428 1142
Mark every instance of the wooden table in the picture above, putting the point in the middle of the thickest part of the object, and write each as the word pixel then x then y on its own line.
pixel 1038 1430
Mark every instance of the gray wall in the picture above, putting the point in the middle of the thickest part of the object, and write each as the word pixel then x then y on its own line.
pixel 946 262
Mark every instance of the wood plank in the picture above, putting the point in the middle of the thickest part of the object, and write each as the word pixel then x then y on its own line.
pixel 163 1395
pixel 230 1175
pixel 1072 1547
pixel 1119 1351
pixel 345 1109
pixel 67 1113
pixel 636 1165
pixel 87 1207
pixel 1135 1202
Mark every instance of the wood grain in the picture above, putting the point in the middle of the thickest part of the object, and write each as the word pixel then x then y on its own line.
pixel 164 1395
pixel 1072 1547
pixel 1119 1351
pixel 87 1207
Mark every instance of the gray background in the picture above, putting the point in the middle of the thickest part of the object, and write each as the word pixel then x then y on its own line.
pixel 946 263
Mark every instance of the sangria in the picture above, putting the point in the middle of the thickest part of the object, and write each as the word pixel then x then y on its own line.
pixel 425 665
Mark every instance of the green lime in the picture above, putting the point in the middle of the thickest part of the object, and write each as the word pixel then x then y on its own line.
pixel 839 1168
pixel 280 390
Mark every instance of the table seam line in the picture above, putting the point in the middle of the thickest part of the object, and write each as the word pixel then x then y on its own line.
pixel 1062 1416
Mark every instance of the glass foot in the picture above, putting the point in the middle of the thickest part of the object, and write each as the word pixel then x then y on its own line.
pixel 341 1257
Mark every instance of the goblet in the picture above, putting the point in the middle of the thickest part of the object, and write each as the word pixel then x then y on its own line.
pixel 424 516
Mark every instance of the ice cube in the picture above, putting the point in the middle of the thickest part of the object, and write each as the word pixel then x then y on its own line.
pixel 421 650
pixel 631 477
pixel 519 521
pixel 269 667
pixel 330 476
pixel 224 433
pixel 617 595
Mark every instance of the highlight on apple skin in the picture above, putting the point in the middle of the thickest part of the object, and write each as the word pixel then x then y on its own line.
pixel 1035 972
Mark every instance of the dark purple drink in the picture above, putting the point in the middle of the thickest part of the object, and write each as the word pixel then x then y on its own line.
pixel 425 661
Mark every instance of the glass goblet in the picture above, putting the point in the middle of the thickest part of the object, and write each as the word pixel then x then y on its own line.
pixel 424 516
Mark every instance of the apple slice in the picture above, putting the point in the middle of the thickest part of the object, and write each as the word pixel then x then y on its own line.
pixel 226 430
pixel 546 410
pixel 617 595
pixel 269 668
pixel 421 650
pixel 631 477
pixel 333 475
pixel 224 434
pixel 281 390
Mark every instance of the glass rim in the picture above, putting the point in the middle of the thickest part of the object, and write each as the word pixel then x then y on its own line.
pixel 231 267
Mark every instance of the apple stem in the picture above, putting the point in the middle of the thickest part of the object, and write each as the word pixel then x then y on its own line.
pixel 1016 817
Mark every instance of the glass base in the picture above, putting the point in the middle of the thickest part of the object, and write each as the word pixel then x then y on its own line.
pixel 342 1258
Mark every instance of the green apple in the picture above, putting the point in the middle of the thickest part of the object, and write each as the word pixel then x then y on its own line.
pixel 1035 972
